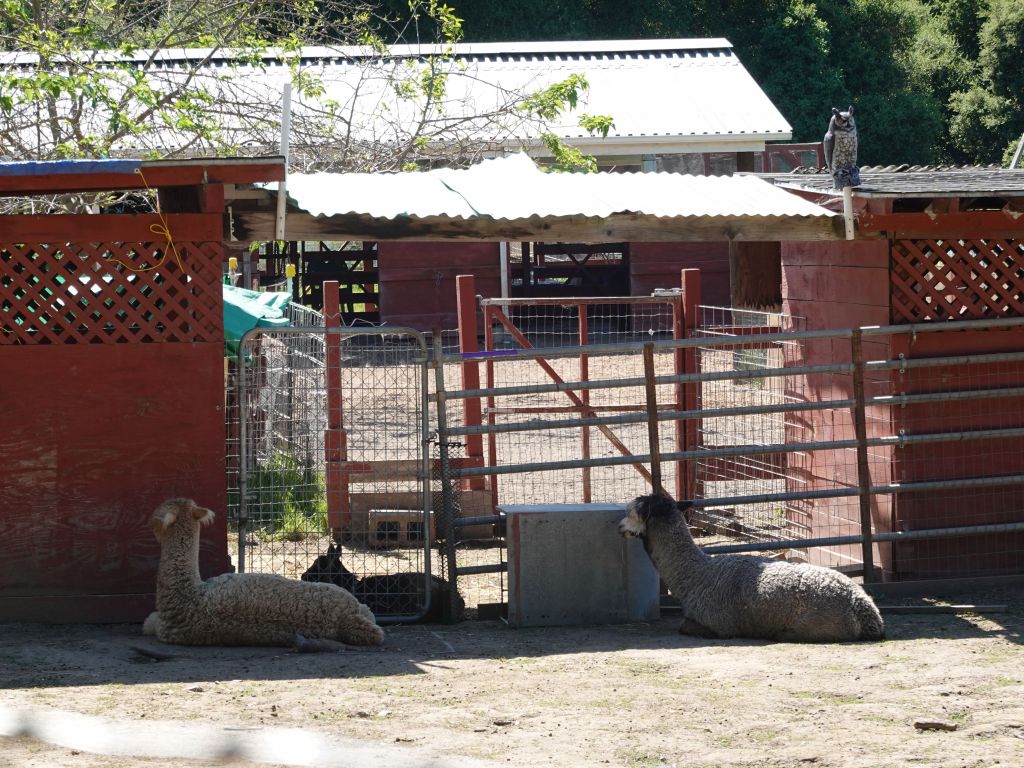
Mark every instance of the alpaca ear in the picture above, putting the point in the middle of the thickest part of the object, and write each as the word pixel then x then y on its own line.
pixel 203 515
pixel 162 522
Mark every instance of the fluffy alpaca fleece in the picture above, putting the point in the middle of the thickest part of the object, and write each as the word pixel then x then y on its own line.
pixel 242 608
pixel 746 596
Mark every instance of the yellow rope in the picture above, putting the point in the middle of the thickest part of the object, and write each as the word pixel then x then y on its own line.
pixel 161 229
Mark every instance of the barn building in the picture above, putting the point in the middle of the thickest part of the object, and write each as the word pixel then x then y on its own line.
pixel 725 124
pixel 932 246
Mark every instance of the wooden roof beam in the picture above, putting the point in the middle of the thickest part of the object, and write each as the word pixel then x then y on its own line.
pixel 625 227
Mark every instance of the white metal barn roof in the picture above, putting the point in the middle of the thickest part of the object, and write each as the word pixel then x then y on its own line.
pixel 513 187
pixel 509 198
pixel 665 96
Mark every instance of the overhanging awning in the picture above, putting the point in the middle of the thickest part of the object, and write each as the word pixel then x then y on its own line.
pixel 509 198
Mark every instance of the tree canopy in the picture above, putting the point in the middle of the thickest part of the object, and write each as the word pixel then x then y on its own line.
pixel 932 80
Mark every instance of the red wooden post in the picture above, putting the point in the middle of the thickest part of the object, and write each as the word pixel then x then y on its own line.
pixel 691 391
pixel 465 292
pixel 492 443
pixel 335 448
pixel 581 310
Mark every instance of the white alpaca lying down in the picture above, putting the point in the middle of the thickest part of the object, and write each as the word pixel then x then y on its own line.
pixel 242 608
pixel 746 596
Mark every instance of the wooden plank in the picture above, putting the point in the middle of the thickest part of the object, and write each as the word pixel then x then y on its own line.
pixel 152 175
pixel 78 609
pixel 86 458
pixel 259 225
pixel 983 224
pixel 127 227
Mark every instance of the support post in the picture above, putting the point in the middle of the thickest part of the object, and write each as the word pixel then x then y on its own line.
pixel 691 391
pixel 851 231
pixel 335 448
pixel 651 392
pixel 863 471
pixel 465 291
pixel 282 193
pixel 584 333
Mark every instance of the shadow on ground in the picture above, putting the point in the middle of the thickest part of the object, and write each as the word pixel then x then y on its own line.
pixel 34 655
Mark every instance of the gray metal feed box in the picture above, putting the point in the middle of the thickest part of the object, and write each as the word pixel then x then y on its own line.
pixel 567 564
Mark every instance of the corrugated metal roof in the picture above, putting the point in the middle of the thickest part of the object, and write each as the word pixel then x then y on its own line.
pixel 664 95
pixel 514 188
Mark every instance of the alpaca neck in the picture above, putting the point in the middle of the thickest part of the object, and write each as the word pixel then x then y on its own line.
pixel 670 545
pixel 178 573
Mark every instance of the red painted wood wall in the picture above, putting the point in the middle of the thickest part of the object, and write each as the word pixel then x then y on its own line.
pixel 994 554
pixel 836 284
pixel 417 280
pixel 657 265
pixel 113 404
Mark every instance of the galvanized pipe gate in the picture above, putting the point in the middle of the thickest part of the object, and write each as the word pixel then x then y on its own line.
pixel 829 449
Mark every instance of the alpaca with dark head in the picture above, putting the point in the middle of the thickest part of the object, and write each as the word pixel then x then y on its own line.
pixel 746 596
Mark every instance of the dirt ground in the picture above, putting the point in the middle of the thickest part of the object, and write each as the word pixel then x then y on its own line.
pixel 482 694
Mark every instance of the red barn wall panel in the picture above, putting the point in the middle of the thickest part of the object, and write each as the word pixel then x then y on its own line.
pixel 657 265
pixel 111 382
pixel 838 284
pixel 417 280
pixel 968 556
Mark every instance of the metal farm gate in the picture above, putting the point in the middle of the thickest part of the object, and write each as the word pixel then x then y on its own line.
pixel 333 474
pixel 891 453
pixel 369 459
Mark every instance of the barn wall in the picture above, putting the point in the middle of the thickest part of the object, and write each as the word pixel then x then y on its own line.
pixel 969 556
pixel 837 284
pixel 417 280
pixel 112 390
pixel 657 265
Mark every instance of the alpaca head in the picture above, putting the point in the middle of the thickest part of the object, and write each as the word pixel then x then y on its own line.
pixel 329 568
pixel 643 509
pixel 179 515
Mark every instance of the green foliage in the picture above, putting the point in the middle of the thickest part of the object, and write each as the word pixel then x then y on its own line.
pixel 988 116
pixel 548 104
pixel 294 495
pixel 914 69
pixel 567 158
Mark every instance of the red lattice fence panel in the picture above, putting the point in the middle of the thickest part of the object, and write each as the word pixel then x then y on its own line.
pixel 113 292
pixel 956 279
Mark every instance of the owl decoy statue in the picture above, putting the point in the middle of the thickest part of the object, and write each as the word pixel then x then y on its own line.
pixel 841 149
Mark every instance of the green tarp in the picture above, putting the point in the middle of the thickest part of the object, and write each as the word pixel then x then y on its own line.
pixel 245 310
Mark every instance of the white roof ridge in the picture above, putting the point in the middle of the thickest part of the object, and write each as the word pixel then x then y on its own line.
pixel 405 50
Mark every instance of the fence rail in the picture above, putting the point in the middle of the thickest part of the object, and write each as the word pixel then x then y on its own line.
pixel 877 450
pixel 860 411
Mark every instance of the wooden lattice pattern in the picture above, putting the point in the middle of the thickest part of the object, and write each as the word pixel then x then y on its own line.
pixel 956 279
pixel 108 293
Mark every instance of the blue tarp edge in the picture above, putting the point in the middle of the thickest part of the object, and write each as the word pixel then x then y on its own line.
pixel 51 167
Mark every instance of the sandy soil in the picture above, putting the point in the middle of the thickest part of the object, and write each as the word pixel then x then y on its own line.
pixel 485 694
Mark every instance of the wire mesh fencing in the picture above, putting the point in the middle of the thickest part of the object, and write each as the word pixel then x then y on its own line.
pixel 374 461
pixel 333 481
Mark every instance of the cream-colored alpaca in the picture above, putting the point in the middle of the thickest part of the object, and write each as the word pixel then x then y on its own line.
pixel 242 608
